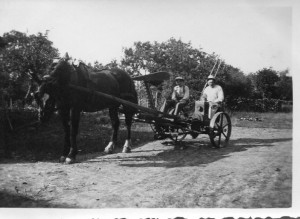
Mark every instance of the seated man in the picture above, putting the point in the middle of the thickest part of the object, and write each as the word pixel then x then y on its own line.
pixel 180 96
pixel 213 94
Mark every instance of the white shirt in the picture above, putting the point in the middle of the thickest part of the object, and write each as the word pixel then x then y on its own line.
pixel 214 94
pixel 179 92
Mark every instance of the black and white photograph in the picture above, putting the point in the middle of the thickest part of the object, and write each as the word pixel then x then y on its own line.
pixel 149 109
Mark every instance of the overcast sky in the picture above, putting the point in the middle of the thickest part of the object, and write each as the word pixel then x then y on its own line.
pixel 249 35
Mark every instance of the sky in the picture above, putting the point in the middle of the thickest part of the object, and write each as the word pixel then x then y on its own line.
pixel 249 35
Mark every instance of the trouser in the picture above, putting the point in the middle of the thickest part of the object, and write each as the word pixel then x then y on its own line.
pixel 177 104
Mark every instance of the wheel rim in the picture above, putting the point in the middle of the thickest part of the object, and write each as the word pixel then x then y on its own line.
pixel 220 130
pixel 180 134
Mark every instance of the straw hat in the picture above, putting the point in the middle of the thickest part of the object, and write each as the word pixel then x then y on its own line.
pixel 179 79
pixel 211 78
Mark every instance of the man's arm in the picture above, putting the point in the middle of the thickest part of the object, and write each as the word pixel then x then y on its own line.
pixel 220 95
pixel 174 94
pixel 186 93
pixel 203 96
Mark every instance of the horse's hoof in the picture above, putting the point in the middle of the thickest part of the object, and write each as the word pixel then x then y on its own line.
pixel 127 146
pixel 108 151
pixel 70 160
pixel 62 159
pixel 126 150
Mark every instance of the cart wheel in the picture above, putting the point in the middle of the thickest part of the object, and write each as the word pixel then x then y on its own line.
pixel 220 129
pixel 179 135
pixel 159 132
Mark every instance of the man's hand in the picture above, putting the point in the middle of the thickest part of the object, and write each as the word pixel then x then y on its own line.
pixel 203 97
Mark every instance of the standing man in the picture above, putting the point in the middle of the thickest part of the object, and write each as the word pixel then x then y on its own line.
pixel 180 96
pixel 213 92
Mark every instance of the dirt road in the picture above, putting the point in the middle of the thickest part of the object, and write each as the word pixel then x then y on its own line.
pixel 254 171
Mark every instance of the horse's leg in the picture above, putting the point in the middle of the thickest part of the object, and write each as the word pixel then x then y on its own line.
pixel 115 122
pixel 75 117
pixel 65 116
pixel 128 120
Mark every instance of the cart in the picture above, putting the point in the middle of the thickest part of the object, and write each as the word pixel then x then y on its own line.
pixel 208 118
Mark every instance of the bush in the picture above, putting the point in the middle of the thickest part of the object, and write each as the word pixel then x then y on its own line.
pixel 259 105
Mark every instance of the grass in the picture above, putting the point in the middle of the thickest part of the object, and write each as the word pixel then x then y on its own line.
pixel 262 120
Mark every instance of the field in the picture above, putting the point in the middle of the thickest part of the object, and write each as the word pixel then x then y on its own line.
pixel 254 171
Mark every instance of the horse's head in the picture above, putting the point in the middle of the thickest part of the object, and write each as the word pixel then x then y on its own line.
pixel 45 98
pixel 59 74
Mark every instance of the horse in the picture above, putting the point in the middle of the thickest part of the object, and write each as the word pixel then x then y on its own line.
pixel 54 93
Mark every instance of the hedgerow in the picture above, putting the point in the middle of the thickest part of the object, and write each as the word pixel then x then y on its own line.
pixel 259 105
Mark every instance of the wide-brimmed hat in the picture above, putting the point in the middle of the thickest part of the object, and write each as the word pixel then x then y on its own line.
pixel 211 78
pixel 179 79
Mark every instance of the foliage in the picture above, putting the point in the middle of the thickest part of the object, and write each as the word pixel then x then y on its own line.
pixel 2 42
pixel 258 105
pixel 235 84
pixel 24 54
pixel 284 86
pixel 268 83
pixel 265 80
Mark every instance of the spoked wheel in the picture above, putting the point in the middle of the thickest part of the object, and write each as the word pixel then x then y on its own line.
pixel 177 134
pixel 159 132
pixel 220 129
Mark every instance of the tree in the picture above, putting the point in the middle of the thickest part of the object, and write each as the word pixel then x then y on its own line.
pixel 112 64
pixel 2 75
pixel 235 84
pixel 285 86
pixel 98 66
pixel 22 55
pixel 2 43
pixel 265 82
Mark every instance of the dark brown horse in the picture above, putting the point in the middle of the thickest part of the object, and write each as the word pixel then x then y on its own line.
pixel 55 92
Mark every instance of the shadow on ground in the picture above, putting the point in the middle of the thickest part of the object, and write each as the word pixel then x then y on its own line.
pixel 197 153
pixel 8 200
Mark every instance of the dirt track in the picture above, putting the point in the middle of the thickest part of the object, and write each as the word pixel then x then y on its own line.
pixel 254 171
